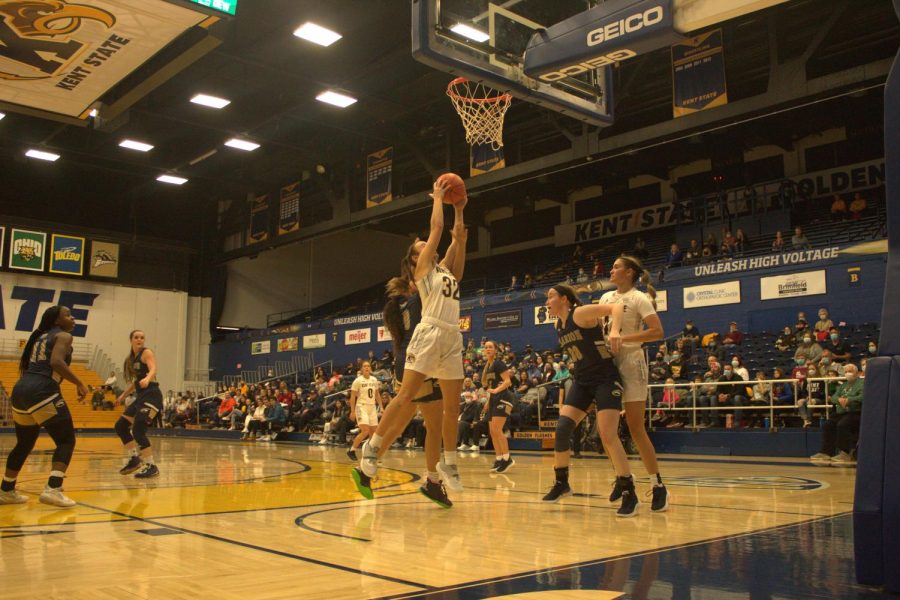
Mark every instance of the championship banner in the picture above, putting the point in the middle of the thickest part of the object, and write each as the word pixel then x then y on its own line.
pixel 503 319
pixel 104 259
pixel 259 220
pixel 810 283
pixel 289 211
pixel 62 56
pixel 66 254
pixel 314 341
pixel 542 316
pixel 261 347
pixel 27 250
pixel 483 158
pixel 698 74
pixel 379 166
pixel 716 294
pixel 288 344
pixel 465 323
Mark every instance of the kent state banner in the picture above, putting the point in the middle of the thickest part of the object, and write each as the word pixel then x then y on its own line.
pixel 379 166
pixel 289 213
pixel 104 259
pixel 484 158
pixel 66 254
pixel 698 74
pixel 259 220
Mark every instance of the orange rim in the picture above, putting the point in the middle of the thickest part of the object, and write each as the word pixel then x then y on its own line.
pixel 490 100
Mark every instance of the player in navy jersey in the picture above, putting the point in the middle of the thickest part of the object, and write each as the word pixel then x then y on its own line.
pixel 595 380
pixel 37 402
pixel 497 381
pixel 140 371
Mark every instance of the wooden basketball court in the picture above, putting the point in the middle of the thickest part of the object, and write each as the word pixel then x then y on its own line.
pixel 273 520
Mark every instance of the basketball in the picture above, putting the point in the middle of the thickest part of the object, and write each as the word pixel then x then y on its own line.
pixel 456 189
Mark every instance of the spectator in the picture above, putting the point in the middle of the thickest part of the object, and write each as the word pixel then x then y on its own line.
pixel 857 206
pixel 783 392
pixel 582 277
pixel 640 249
pixel 728 345
pixel 707 396
pixel 692 254
pixel 823 325
pixel 733 394
pixel 827 362
pixel 577 254
pixel 862 367
pixel 786 342
pixel 670 399
pixel 338 425
pixel 691 336
pixel 778 244
pixel 808 349
pixel 659 369
pixel 714 348
pixel 801 331
pixel 312 410
pixel 728 244
pixel 528 282
pixel 838 208
pixel 513 284
pixel 254 421
pixel 761 396
pixel 274 419
pixel 677 364
pixel 840 349
pixel 711 243
pixel 469 414
pixel 110 384
pixel 599 269
pixel 738 365
pixel 226 407
pixel 735 334
pixel 871 349
pixel 799 241
pixel 534 397
pixel 675 257
pixel 842 428
pixel 96 397
pixel 741 243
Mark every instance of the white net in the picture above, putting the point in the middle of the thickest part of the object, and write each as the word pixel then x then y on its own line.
pixel 481 109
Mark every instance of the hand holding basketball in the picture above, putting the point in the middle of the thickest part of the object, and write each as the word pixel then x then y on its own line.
pixel 454 190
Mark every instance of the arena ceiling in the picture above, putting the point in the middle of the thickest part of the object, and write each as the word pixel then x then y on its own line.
pixel 272 79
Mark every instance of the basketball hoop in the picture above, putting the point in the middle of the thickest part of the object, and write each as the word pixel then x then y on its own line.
pixel 481 109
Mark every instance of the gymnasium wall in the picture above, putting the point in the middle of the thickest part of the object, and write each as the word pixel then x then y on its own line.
pixel 855 299
pixel 105 315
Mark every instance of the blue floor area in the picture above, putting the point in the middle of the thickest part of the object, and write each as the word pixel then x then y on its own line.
pixel 808 560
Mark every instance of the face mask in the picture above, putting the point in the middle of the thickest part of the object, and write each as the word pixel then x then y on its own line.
pixel 863 368
pixel 735 364
pixel 835 337
pixel 872 349
pixel 728 372
pixel 826 361
pixel 851 377
pixel 807 340
pixel 676 356
pixel 801 362
pixel 712 344
pixel 659 357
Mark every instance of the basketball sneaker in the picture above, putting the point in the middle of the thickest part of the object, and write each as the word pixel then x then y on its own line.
pixel 149 471
pixel 842 459
pixel 629 502
pixel 616 493
pixel 134 463
pixel 496 465
pixel 660 500
pixel 820 456
pixel 559 490
pixel 55 497
pixel 505 465
pixel 436 493
pixel 12 497
pixel 368 463
pixel 450 474
pixel 474 448
pixel 351 454
pixel 363 483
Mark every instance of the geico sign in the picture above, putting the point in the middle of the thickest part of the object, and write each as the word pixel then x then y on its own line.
pixel 635 22
pixel 589 65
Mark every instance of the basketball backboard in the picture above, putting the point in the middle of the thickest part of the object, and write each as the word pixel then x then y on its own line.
pixel 485 41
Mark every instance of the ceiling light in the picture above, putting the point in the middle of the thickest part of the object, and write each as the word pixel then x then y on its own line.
pixel 210 101
pixel 470 32
pixel 171 179
pixel 225 328
pixel 317 34
pixel 134 145
pixel 242 144
pixel 42 155
pixel 93 114
pixel 2 115
pixel 335 98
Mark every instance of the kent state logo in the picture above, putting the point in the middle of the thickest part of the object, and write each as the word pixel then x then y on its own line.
pixel 102 257
pixel 35 41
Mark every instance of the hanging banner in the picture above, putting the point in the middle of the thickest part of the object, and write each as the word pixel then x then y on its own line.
pixel 378 177
pixel 483 158
pixel 698 74
pixel 287 344
pixel 289 211
pixel 259 220
pixel 66 254
pixel 104 259
pixel 27 250
pixel 728 292
pixel 810 283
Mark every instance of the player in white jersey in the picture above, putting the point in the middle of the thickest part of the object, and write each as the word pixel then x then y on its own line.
pixel 640 324
pixel 435 349
pixel 365 394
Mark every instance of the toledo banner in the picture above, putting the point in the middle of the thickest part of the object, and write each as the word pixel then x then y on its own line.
pixel 27 250
pixel 104 259
pixel 484 158
pixel 379 166
pixel 61 56
pixel 259 219
pixel 289 212
pixel 66 254
pixel 698 74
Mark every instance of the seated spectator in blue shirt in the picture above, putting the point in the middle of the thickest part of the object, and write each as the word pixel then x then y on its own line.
pixel 675 257
pixel 275 418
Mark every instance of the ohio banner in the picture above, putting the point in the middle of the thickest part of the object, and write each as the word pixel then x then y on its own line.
pixel 483 158
pixel 66 254
pixel 27 250
pixel 104 259
pixel 259 220
pixel 698 74
pixel 379 166
pixel 61 56
pixel 289 212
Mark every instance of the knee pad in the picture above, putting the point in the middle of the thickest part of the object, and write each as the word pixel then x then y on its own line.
pixel 564 429
pixel 123 430
pixel 140 433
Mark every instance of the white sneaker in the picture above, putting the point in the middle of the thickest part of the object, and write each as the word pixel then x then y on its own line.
pixel 462 448
pixel 842 458
pixel 368 462
pixel 450 476
pixel 55 497
pixel 323 441
pixel 820 456
pixel 12 497
pixel 474 448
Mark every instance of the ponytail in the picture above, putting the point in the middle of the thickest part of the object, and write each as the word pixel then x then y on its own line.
pixel 397 290
pixel 48 322
pixel 651 291
pixel 641 275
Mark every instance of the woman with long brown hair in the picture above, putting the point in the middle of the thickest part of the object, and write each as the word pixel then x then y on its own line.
pixel 140 371
pixel 497 381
